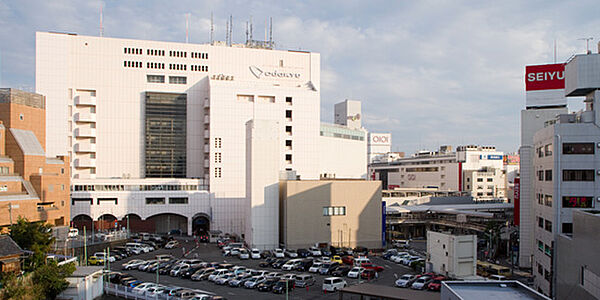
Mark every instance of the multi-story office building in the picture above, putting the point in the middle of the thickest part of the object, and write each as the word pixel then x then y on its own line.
pixel 566 167
pixel 476 169
pixel 379 147
pixel 32 185
pixel 164 132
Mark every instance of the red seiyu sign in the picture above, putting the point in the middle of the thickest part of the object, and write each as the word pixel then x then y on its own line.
pixel 545 77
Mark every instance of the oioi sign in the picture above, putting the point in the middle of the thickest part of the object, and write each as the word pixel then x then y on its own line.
pixel 258 73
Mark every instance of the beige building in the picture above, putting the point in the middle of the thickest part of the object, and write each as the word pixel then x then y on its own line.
pixel 452 255
pixel 343 213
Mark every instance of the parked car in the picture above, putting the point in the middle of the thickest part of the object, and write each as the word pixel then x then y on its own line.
pixel 341 271
pixel 278 253
pixel 267 262
pixel 278 263
pixel 224 279
pixel 325 252
pixel 332 284
pixel 105 256
pixel 283 286
pixel 290 253
pixel 244 254
pixel 314 251
pixel 355 272
pixel 95 260
pixel 361 260
pixel 421 283
pixel 172 244
pixel 216 274
pixel 304 280
pixel 239 280
pixel 291 264
pixel 304 265
pixel 267 285
pixel 254 282
pixel 348 259
pixel 132 264
pixel 142 288
pixel 202 274
pixel 327 268
pixel 371 266
pixel 255 253
pixel 368 274
pixel 73 233
pixel 358 250
pixel 337 259
pixel 315 267
pixel 303 252
pixel 436 284
pixel 405 280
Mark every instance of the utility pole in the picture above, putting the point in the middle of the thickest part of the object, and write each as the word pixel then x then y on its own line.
pixel 84 245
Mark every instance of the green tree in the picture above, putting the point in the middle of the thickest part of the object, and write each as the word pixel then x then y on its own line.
pixel 50 280
pixel 34 236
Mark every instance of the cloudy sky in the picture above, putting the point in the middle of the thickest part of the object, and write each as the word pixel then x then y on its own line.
pixel 430 72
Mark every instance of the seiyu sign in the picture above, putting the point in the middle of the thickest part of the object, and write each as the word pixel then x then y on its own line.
pixel 260 73
pixel 545 77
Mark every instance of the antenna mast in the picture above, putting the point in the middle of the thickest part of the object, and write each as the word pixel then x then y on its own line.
pixel 212 29
pixel 251 28
pixel 271 32
pixel 587 44
pixel 187 27
pixel 230 29
pixel 101 17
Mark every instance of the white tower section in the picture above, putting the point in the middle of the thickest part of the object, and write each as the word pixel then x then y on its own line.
pixel 348 113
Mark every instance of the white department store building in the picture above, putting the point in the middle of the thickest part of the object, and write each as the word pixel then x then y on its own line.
pixel 162 127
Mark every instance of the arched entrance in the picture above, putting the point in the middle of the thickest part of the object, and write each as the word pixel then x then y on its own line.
pixel 134 223
pixel 81 221
pixel 106 222
pixel 200 224
pixel 169 222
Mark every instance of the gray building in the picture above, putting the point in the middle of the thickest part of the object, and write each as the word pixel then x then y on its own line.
pixel 577 266
pixel 489 290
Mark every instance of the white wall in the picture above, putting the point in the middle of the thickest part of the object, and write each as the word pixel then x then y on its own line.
pixel 343 157
pixel 453 255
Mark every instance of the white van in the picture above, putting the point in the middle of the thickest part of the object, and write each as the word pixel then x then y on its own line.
pixel 361 260
pixel 332 284
pixel 136 248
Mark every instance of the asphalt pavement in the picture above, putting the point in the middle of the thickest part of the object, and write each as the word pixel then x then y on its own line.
pixel 211 253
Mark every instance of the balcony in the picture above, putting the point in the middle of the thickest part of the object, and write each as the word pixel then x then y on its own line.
pixel 84 117
pixel 206 134
pixel 84 147
pixel 85 132
pixel 206 163
pixel 206 120
pixel 206 149
pixel 206 103
pixel 85 100
pixel 84 162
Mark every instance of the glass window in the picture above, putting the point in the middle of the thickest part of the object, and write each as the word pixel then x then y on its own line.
pixel 156 78
pixel 178 200
pixel 177 79
pixel 548 175
pixel 578 148
pixel 578 175
pixel 155 200
pixel 567 228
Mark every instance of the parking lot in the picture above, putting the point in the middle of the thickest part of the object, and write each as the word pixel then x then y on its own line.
pixel 211 253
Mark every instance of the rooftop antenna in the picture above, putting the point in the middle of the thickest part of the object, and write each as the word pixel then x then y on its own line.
pixel 554 50
pixel 246 32
pixel 271 32
pixel 227 33
pixel 212 29
pixel 266 27
pixel 251 28
pixel 101 17
pixel 187 28
pixel 230 29
pixel 587 44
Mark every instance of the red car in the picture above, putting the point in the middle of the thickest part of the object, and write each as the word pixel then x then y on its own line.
pixel 348 259
pixel 436 284
pixel 368 274
pixel 370 266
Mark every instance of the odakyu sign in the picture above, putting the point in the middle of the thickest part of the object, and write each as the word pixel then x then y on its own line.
pixel 260 73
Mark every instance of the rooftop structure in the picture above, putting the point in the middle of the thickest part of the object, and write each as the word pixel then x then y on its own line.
pixel 489 290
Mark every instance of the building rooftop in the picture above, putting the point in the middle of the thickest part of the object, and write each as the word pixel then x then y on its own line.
pixel 22 97
pixel 387 292
pixel 8 247
pixel 84 271
pixel 28 142
pixel 491 290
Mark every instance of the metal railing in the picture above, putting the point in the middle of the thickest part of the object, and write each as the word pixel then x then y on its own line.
pixel 128 293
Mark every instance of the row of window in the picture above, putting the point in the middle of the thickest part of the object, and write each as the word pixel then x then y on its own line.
pixel 544 150
pixel 544 224
pixel 155 52
pixel 544 272
pixel 154 187
pixel 544 199
pixel 132 64
pixel 544 175
pixel 480 194
pixel 161 79
pixel 179 67
pixel 132 50
pixel 153 65
pixel 4 170
pixel 481 179
pixel 334 211
pixel 544 248
pixel 199 55
pixel 161 200
pixel 567 149
pixel 198 68
pixel 177 53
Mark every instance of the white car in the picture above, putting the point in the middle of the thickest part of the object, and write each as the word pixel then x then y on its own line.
pixel 290 265
pixel 104 256
pixel 314 251
pixel 201 297
pixel 421 283
pixel 73 233
pixel 133 264
pixel 254 282
pixel 255 253
pixel 155 290
pixel 405 280
pixel 355 272
pixel 315 267
pixel 291 253
pixel 172 244
pixel 216 274
pixel 243 254
pixel 143 287
pixel 290 276
pixel 278 253
pixel 235 251
pixel 332 284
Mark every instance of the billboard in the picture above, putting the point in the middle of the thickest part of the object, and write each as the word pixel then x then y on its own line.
pixel 380 139
pixel 545 85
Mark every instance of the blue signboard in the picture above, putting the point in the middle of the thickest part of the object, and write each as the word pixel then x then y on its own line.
pixel 383 229
pixel 494 157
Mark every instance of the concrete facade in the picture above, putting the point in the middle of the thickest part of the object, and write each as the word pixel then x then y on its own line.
pixel 344 213
pixel 577 268
pixel 452 255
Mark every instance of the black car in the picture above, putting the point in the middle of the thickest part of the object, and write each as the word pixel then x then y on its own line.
pixel 360 250
pixel 282 286
pixel 303 252
pixel 167 268
pixel 278 263
pixel 304 265
pixel 325 252
pixel 267 262
pixel 189 272
pixel 266 254
pixel 267 286
pixel 341 271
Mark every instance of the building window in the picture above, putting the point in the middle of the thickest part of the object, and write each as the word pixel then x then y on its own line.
pixel 288 143
pixel 548 175
pixel 548 200
pixel 567 228
pixel 540 175
pixel 540 222
pixel 218 158
pixel 490 180
pixel 479 179
pixel 155 200
pixel 540 246
pixel 578 175
pixel 547 250
pixel 288 158
pixel 218 173
pixel 548 150
pixel 288 100
pixel 288 114
pixel 540 269
pixel 334 211
pixel 578 148
pixel 115 200
pixel 547 275
pixel 177 79
pixel 156 78
pixel 288 129
pixel 178 200
pixel 90 200
pixel 577 202
pixel 218 143
pixel 548 226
